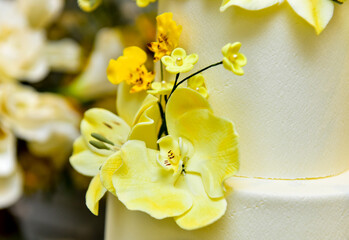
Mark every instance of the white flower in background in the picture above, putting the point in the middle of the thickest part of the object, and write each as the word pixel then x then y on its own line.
pixel 93 82
pixel 45 120
pixel 23 54
pixel 41 13
pixel 10 176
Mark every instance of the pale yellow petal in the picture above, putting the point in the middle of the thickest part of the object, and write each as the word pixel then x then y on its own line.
pixel 249 4
pixel 170 154
pixel 178 53
pixel 94 194
pixel 182 101
pixel 105 123
pixel 84 160
pixel 141 184
pixel 128 104
pixel 147 126
pixel 192 59
pixel 205 210
pixel 215 142
pixel 110 166
pixel 167 60
pixel 316 12
pixel 89 5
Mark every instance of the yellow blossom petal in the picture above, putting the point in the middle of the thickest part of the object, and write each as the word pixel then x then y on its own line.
pixel 147 126
pixel 233 60
pixel 179 62
pixel 122 69
pixel 89 5
pixel 109 167
pixel 197 83
pixel 183 100
pixel 168 33
pixel 144 3
pixel 170 154
pixel 84 160
pixel 215 142
pixel 249 4
pixel 161 88
pixel 128 104
pixel 143 185
pixel 316 12
pixel 106 124
pixel 205 210
pixel 94 194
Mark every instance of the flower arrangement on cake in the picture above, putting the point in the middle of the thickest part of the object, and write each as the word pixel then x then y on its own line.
pixel 166 153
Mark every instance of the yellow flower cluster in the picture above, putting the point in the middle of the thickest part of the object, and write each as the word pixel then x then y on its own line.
pixel 167 36
pixel 131 69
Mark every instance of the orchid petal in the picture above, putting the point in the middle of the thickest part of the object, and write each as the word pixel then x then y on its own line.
pixel 183 100
pixel 249 4
pixel 216 154
pixel 141 184
pixel 109 167
pixel 205 210
pixel 94 194
pixel 316 12
pixel 106 124
pixel 84 160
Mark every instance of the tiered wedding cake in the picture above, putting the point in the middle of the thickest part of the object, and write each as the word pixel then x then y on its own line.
pixel 292 114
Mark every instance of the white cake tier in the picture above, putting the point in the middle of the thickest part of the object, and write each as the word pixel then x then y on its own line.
pixel 258 209
pixel 291 107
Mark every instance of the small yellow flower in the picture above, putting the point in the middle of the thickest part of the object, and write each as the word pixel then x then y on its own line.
pixel 198 84
pixel 162 88
pixel 130 68
pixel 179 62
pixel 89 5
pixel 233 60
pixel 167 36
pixel 144 3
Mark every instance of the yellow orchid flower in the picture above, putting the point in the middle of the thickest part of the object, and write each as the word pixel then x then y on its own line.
pixel 102 136
pixel 179 62
pixel 144 3
pixel 168 33
pixel 89 5
pixel 317 13
pixel 185 178
pixel 233 60
pixel 198 84
pixel 130 68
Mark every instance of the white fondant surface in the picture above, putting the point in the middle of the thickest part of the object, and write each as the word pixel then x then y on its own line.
pixel 258 209
pixel 291 107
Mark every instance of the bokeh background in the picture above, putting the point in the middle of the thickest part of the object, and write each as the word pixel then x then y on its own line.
pixel 53 60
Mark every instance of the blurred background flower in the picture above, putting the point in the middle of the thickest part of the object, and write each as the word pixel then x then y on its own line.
pixel 53 61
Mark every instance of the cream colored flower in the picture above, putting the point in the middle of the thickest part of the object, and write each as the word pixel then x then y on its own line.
pixel 10 176
pixel 93 82
pixel 179 62
pixel 41 13
pixel 36 116
pixel 233 60
pixel 23 51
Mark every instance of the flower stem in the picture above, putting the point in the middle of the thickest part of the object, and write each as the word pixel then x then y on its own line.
pixel 174 85
pixel 192 75
pixel 162 71
pixel 163 128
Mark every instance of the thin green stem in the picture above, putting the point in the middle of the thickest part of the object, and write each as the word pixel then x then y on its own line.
pixel 192 75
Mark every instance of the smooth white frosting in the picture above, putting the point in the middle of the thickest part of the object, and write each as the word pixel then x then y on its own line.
pixel 291 107
pixel 257 209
